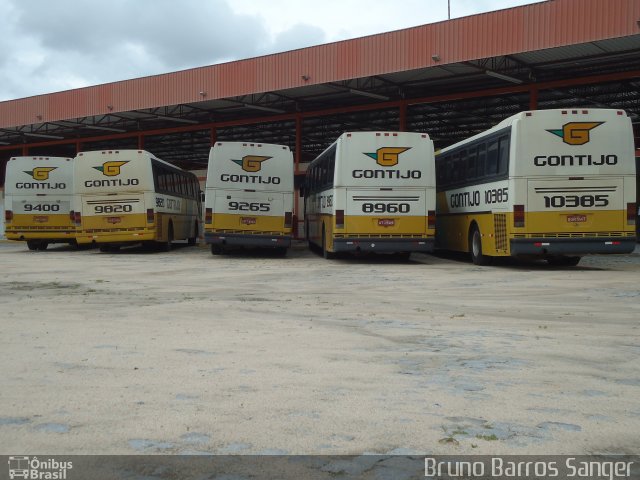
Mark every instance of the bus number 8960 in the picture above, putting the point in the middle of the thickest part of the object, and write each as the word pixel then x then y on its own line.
pixel 386 207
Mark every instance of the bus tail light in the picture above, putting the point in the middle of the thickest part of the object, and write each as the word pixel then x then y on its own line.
pixel 631 213
pixel 150 215
pixel 77 218
pixel 208 215
pixel 431 219
pixel 72 216
pixel 339 218
pixel 518 215
pixel 288 219
pixel 8 215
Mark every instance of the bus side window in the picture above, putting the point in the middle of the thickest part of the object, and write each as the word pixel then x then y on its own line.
pixel 482 157
pixel 503 158
pixel 472 157
pixel 492 158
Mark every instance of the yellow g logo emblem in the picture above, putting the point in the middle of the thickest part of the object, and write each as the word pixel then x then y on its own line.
pixel 251 163
pixel 110 169
pixel 575 133
pixel 387 156
pixel 40 173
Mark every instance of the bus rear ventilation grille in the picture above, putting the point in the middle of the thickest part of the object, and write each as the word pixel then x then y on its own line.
pixel 379 235
pixel 575 235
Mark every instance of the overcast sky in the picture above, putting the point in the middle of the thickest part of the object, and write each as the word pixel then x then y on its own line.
pixel 52 45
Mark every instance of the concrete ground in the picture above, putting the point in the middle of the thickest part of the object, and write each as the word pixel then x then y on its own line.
pixel 184 352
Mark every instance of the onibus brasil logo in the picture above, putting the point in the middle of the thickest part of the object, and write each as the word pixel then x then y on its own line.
pixel 575 133
pixel 35 468
pixel 251 163
pixel 40 173
pixel 387 156
pixel 111 169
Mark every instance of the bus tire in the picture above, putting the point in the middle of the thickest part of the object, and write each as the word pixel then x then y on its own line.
pixel 325 253
pixel 564 261
pixel 216 249
pixel 43 246
pixel 32 245
pixel 192 240
pixel 403 256
pixel 166 246
pixel 475 248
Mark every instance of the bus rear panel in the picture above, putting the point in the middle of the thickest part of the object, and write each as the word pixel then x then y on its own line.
pixel 379 195
pixel 130 196
pixel 552 184
pixel 249 196
pixel 39 201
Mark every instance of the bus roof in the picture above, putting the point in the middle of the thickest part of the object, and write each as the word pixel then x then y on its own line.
pixel 369 132
pixel 507 122
pixel 128 152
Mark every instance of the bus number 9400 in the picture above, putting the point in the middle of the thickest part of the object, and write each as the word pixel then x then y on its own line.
pixel 249 206
pixel 41 208
pixel 113 208
pixel 386 207
pixel 572 201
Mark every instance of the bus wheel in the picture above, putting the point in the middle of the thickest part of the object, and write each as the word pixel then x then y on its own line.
pixel 192 240
pixel 280 251
pixel 563 261
pixel 403 256
pixel 32 245
pixel 166 246
pixel 216 249
pixel 325 253
pixel 476 248
pixel 43 246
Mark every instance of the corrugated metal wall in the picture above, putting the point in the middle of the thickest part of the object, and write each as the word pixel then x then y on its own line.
pixel 533 27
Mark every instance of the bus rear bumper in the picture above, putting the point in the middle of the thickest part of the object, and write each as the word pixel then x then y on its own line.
pixel 49 237
pixel 115 238
pixel 572 246
pixel 383 245
pixel 248 240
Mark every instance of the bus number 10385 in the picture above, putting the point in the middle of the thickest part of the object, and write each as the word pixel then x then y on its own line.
pixel 386 207
pixel 572 201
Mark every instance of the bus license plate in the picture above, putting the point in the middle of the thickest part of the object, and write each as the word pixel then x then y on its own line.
pixel 386 222
pixel 248 220
pixel 40 219
pixel 114 220
pixel 576 218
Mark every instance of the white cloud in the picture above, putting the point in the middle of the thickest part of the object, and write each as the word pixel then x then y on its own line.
pixel 48 46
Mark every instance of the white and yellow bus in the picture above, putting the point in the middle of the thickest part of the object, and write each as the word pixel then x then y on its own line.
pixel 552 184
pixel 38 201
pixel 130 196
pixel 372 192
pixel 249 196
